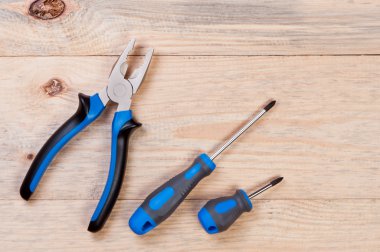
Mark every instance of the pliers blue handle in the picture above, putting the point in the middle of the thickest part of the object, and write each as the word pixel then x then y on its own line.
pixel 119 90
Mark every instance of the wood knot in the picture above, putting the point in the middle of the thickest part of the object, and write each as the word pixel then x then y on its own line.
pixel 30 156
pixel 53 87
pixel 46 9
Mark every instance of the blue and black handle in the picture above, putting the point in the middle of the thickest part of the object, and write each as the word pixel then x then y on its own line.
pixel 219 214
pixel 89 109
pixel 161 203
pixel 122 127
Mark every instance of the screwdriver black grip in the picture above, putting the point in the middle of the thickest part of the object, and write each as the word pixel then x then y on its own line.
pixel 220 213
pixel 161 203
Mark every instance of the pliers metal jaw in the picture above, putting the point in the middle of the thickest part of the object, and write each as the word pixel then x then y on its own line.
pixel 118 90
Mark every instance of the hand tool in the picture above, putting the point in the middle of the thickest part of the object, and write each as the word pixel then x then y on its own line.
pixel 119 90
pixel 219 214
pixel 161 203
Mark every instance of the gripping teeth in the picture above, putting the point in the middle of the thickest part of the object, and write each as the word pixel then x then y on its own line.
pixel 147 59
pixel 123 57
pixel 120 66
pixel 134 74
pixel 138 74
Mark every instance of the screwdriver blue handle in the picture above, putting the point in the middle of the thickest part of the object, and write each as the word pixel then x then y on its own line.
pixel 161 203
pixel 219 214
pixel 90 107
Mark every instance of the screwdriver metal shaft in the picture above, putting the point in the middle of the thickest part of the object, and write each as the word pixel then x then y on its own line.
pixel 243 129
pixel 163 201
pixel 266 187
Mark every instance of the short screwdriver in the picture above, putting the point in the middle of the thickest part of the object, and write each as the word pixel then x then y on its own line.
pixel 219 214
pixel 162 202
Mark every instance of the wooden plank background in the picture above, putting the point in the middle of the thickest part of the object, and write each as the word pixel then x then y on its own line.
pixel 215 63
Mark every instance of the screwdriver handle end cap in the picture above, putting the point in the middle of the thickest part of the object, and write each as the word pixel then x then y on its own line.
pixel 140 216
pixel 207 221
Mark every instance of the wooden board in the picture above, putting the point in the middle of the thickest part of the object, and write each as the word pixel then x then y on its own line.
pixel 289 225
pixel 215 64
pixel 323 129
pixel 322 150
pixel 188 27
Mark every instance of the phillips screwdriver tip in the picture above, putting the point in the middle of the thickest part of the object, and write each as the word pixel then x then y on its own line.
pixel 263 189
pixel 276 181
pixel 243 129
pixel 270 105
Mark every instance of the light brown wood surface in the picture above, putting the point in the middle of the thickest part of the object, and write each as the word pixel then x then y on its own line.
pixel 215 64
pixel 187 27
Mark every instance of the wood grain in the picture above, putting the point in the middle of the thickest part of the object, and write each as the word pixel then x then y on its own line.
pixel 187 27
pixel 296 225
pixel 216 62
pixel 322 136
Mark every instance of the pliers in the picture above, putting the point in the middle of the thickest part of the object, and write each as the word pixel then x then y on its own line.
pixel 119 90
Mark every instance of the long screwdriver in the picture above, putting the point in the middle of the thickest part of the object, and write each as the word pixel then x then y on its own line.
pixel 162 202
pixel 219 214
